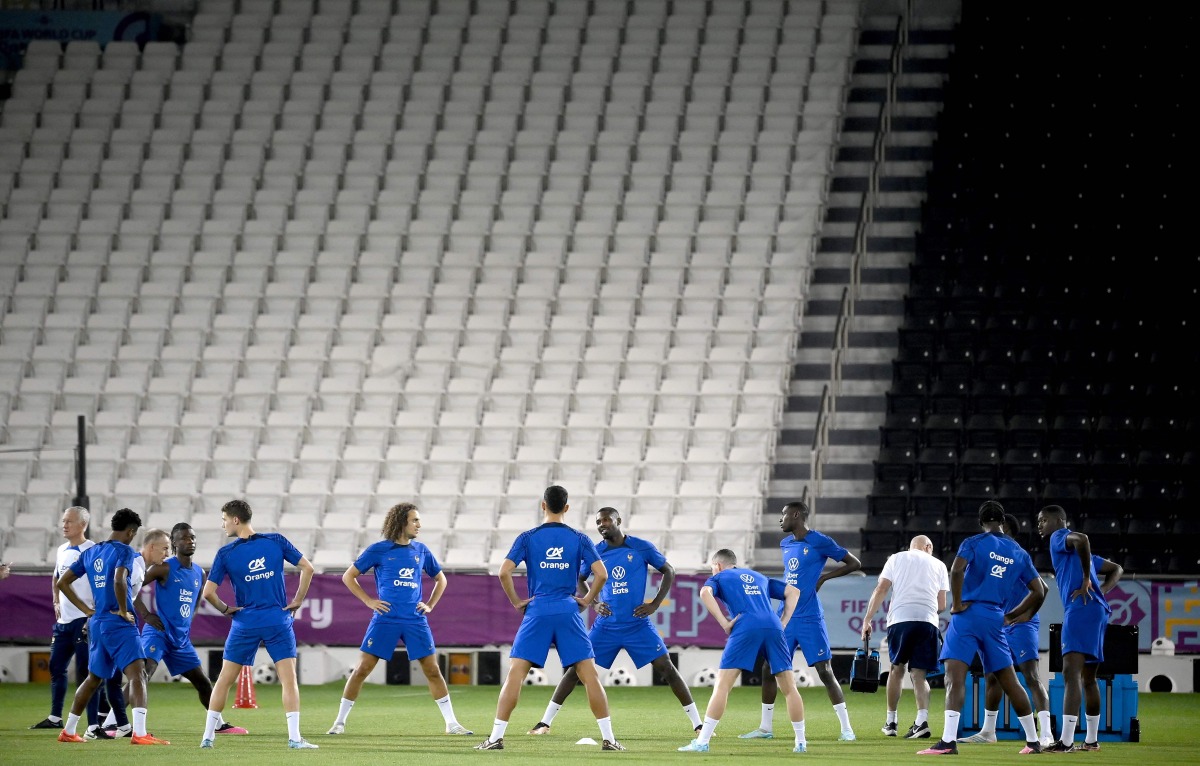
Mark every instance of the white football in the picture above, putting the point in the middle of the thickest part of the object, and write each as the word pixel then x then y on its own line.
pixel 535 677
pixel 265 674
pixel 705 677
pixel 620 677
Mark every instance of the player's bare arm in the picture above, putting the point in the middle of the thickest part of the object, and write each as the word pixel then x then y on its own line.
pixel 664 587
pixel 210 595
pixel 714 608
pixel 599 577
pixel 510 589
pixel 849 563
pixel 881 590
pixel 63 586
pixel 350 580
pixel 958 571
pixel 121 589
pixel 306 575
pixel 1024 611
pixel 439 587
pixel 1112 573
pixel 1083 551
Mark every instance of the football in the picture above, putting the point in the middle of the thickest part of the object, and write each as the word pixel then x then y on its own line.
pixel 620 677
pixel 705 677
pixel 265 674
pixel 5 675
pixel 803 679
pixel 174 679
pixel 535 677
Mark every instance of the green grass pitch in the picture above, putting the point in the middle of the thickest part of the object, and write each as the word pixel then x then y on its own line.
pixel 400 724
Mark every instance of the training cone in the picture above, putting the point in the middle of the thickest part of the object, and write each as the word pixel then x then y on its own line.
pixel 245 689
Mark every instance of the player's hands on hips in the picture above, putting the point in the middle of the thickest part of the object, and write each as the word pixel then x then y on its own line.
pixel 960 608
pixel 646 609
pixel 728 625
pixel 1083 591
pixel 423 608
pixel 154 621
pixel 293 607
pixel 382 607
pixel 126 616
pixel 603 609
pixel 520 605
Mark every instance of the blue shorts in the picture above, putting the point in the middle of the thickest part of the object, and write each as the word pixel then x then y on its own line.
pixel 383 636
pixel 913 643
pixel 113 645
pixel 242 643
pixel 639 639
pixel 979 629
pixel 1022 640
pixel 178 659
pixel 565 631
pixel 810 637
pixel 1083 631
pixel 747 646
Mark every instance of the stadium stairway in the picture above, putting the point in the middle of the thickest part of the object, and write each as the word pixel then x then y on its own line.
pixel 867 369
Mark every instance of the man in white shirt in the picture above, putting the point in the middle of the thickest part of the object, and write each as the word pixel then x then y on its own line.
pixel 918 582
pixel 70 638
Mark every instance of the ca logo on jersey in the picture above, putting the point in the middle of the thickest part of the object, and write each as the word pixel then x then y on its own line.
pixel 618 573
pixel 554 553
pixel 259 564
pixel 793 563
pixel 406 573
pixel 998 570
pixel 747 578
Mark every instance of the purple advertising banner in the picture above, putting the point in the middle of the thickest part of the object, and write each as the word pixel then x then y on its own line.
pixel 474 612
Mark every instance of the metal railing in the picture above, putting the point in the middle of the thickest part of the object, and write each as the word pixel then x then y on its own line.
pixel 866 217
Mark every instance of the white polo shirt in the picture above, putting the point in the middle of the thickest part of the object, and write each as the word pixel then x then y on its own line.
pixel 916 579
pixel 67 555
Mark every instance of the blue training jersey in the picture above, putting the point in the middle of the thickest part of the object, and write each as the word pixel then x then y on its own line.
pixel 747 594
pixel 398 571
pixel 803 562
pixel 175 600
pixel 625 589
pixel 254 566
pixel 99 565
pixel 555 557
pixel 1069 573
pixel 1018 593
pixel 995 566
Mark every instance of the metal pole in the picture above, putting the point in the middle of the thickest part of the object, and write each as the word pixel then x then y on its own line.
pixel 81 497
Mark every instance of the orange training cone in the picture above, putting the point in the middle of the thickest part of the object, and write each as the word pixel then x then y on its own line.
pixel 245 689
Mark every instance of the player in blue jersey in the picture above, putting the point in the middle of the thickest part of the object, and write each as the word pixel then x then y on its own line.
pixel 555 557
pixel 624 621
pixel 167 632
pixel 986 570
pixel 262 614
pixel 805 552
pixel 398 611
pixel 754 630
pixel 1085 619
pixel 113 641
pixel 1022 637
pixel 154 549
